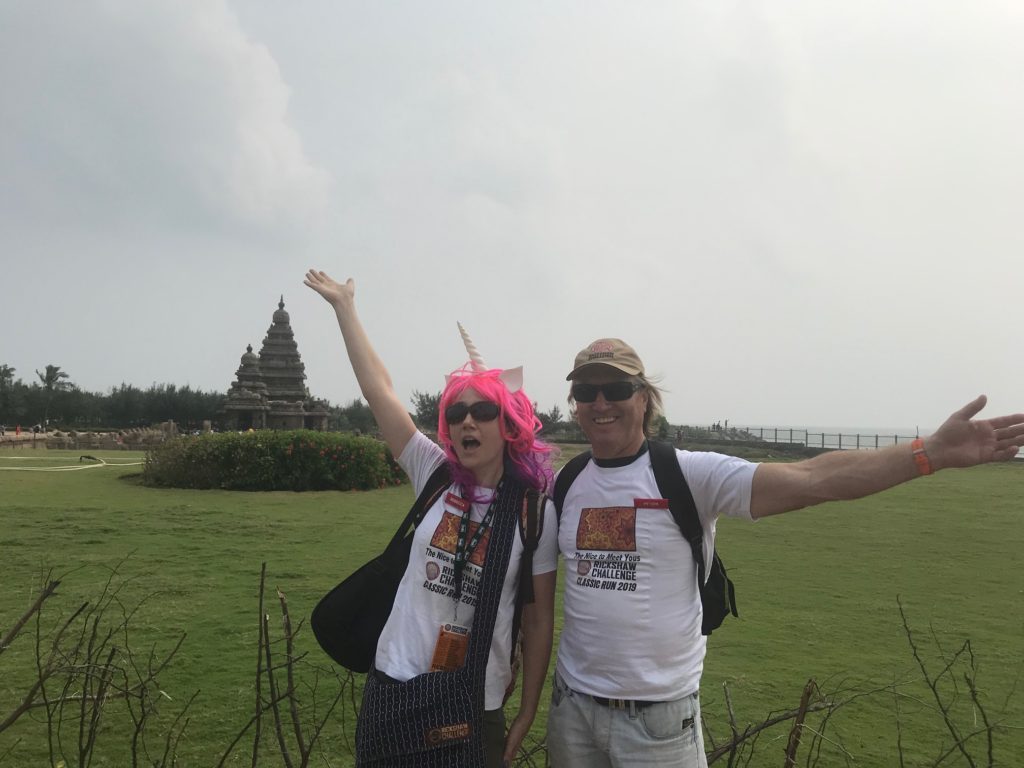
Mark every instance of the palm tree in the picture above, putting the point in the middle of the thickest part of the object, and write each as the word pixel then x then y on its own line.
pixel 54 380
pixel 6 384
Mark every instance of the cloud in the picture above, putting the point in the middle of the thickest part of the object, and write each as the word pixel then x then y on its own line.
pixel 132 114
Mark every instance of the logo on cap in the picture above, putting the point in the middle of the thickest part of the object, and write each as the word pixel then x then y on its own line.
pixel 600 349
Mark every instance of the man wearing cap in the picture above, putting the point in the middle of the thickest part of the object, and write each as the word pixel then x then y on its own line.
pixel 631 651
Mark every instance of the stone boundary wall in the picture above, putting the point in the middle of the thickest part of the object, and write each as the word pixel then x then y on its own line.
pixel 121 440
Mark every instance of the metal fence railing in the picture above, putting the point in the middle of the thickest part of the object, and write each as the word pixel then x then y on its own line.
pixel 828 440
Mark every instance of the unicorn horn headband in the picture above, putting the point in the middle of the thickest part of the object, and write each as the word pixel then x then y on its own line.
pixel 474 354
pixel 512 378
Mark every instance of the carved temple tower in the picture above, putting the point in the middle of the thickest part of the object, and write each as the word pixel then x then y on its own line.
pixel 247 405
pixel 269 391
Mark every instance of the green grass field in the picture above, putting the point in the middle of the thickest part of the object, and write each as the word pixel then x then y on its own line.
pixel 817 594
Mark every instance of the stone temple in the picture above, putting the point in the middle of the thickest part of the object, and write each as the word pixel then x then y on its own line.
pixel 269 391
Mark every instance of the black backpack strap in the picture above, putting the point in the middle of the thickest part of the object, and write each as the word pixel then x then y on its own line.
pixel 565 478
pixel 672 486
pixel 529 531
pixel 530 527
pixel 439 479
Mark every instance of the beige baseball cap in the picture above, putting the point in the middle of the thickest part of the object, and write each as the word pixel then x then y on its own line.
pixel 613 352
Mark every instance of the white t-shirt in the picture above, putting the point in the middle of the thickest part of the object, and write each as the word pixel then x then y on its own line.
pixel 425 599
pixel 632 609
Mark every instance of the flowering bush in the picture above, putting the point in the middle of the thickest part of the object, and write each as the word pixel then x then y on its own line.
pixel 299 460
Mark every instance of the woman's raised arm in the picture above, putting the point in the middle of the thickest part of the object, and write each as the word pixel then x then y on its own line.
pixel 396 426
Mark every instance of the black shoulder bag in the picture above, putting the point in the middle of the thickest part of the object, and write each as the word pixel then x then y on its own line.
pixel 348 620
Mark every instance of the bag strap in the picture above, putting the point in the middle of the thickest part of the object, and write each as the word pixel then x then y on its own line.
pixel 565 478
pixel 672 486
pixel 439 479
pixel 530 534
pixel 535 503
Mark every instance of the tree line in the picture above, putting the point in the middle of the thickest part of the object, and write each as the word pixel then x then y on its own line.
pixel 53 400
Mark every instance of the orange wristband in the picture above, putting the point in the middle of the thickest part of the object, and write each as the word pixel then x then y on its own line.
pixel 924 464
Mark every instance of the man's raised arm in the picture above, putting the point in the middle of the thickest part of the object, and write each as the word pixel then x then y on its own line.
pixel 961 441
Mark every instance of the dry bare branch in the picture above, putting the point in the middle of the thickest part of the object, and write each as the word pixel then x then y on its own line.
pixel 293 704
pixel 46 592
pixel 80 671
pixel 275 698
pixel 258 715
pixel 752 731
pixel 932 683
pixel 798 723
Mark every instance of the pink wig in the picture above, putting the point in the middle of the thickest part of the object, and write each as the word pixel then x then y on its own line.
pixel 526 456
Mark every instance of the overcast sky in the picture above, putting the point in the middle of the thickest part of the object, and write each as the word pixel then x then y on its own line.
pixel 799 213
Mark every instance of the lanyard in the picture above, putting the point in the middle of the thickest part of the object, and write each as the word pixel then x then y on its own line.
pixel 464 551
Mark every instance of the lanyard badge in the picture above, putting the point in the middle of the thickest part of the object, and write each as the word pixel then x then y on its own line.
pixel 453 638
pixel 464 550
pixel 451 647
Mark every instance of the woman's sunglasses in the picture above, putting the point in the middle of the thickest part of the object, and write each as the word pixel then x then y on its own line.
pixel 615 392
pixel 481 410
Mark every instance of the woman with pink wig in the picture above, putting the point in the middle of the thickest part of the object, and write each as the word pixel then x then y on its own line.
pixel 455 607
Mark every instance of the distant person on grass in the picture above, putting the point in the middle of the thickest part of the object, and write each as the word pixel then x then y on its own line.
pixel 630 660
pixel 487 433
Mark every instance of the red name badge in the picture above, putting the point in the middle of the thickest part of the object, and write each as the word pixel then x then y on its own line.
pixel 457 501
pixel 650 503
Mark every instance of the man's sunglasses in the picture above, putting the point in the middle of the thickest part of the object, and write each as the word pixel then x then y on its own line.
pixel 481 410
pixel 615 392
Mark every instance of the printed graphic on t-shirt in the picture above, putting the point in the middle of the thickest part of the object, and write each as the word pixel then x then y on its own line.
pixel 439 573
pixel 605 542
pixel 446 536
pixel 607 528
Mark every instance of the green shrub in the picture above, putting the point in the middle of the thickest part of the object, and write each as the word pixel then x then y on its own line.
pixel 299 460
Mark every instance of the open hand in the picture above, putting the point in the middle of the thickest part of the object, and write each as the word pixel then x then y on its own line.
pixel 963 441
pixel 337 294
